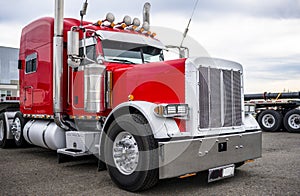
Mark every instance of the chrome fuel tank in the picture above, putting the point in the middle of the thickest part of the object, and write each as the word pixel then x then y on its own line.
pixel 45 134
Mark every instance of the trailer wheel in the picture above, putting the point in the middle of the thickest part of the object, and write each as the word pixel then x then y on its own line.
pixel 17 129
pixel 131 153
pixel 291 121
pixel 4 142
pixel 270 120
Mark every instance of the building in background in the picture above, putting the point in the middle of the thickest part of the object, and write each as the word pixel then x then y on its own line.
pixel 9 73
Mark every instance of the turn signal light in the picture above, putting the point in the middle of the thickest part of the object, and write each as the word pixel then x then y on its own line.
pixel 130 97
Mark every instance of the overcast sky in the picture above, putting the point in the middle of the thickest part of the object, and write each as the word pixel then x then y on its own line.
pixel 263 35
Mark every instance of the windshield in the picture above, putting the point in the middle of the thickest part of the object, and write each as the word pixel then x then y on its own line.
pixel 131 53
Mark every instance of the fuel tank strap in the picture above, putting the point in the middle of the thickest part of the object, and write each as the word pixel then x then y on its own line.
pixel 32 121
pixel 43 136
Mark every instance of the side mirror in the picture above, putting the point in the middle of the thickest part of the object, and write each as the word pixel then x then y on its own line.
pixel 73 48
pixel 73 43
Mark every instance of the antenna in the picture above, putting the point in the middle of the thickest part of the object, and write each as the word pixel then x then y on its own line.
pixel 83 11
pixel 187 28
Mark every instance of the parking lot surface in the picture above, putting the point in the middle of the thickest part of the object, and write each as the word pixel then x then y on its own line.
pixel 35 171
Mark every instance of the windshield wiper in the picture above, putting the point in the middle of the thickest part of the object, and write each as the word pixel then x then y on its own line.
pixel 121 60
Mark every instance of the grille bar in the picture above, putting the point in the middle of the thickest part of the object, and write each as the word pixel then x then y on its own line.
pixel 219 98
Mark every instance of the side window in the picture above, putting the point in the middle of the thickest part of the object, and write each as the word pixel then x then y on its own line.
pixel 3 93
pixel 31 63
pixel 90 54
pixel 8 93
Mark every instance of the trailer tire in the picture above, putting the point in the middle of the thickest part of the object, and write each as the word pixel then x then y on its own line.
pixel 270 120
pixel 291 121
pixel 4 142
pixel 18 126
pixel 130 140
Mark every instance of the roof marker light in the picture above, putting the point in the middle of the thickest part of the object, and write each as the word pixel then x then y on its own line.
pixel 127 20
pixel 110 17
pixel 134 25
pixel 136 22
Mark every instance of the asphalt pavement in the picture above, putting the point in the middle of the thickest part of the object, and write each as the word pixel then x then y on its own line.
pixel 35 171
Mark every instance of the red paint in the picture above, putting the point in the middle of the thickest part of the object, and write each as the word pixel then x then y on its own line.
pixel 161 82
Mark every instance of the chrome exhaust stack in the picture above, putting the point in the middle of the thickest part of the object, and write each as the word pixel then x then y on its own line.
pixel 58 64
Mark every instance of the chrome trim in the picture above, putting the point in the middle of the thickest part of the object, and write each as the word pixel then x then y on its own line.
pixel 109 84
pixel 94 78
pixel 88 42
pixel 130 38
pixel 125 153
pixel 181 157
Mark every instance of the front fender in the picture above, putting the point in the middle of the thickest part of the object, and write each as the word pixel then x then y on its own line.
pixel 161 127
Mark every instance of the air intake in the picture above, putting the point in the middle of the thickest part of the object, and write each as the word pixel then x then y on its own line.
pixel 219 98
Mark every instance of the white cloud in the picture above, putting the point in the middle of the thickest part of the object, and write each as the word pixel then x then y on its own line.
pixel 268 48
pixel 263 35
pixel 11 34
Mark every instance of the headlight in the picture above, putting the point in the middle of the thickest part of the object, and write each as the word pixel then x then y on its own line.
pixel 249 109
pixel 172 110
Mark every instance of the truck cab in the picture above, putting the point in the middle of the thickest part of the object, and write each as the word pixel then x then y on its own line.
pixel 105 89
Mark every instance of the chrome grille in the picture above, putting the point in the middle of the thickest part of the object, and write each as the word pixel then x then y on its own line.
pixel 219 98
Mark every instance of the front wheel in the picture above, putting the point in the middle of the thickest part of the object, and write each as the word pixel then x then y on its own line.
pixel 131 153
pixel 291 121
pixel 270 120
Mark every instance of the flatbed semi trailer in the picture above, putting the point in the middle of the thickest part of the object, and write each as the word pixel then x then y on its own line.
pixel 275 111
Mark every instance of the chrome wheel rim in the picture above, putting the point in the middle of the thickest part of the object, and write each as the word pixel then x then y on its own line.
pixel 294 121
pixel 1 130
pixel 268 121
pixel 125 153
pixel 17 129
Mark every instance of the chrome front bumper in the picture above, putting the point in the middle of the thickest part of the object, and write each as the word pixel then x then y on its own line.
pixel 181 157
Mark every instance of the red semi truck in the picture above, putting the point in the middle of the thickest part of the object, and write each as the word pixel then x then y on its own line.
pixel 104 89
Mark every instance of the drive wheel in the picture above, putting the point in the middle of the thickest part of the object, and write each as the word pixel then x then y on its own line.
pixel 291 121
pixel 270 120
pixel 4 142
pixel 17 130
pixel 131 153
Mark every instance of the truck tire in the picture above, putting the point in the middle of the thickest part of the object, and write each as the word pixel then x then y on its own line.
pixel 4 142
pixel 291 121
pixel 17 128
pixel 131 153
pixel 270 120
